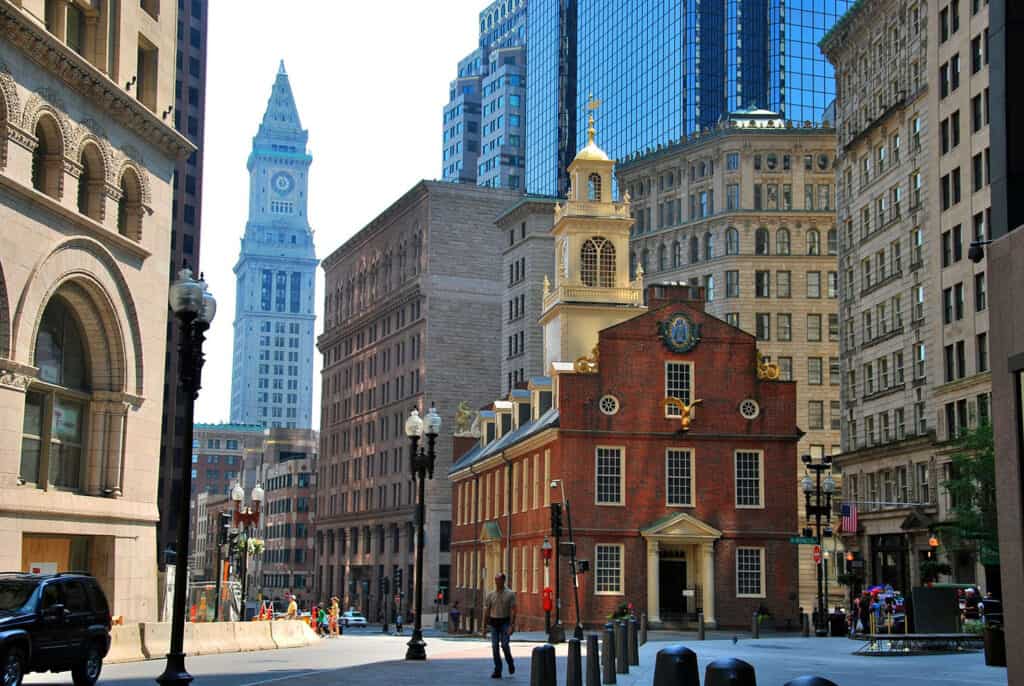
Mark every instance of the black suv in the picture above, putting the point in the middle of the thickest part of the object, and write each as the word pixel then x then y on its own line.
pixel 52 623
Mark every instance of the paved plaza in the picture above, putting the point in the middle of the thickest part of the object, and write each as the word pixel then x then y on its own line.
pixel 373 659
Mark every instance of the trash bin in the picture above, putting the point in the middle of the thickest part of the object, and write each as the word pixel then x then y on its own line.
pixel 837 624
pixel 995 646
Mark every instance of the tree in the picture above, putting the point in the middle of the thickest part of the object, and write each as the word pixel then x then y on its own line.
pixel 972 489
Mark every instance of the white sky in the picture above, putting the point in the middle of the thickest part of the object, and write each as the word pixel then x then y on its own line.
pixel 369 79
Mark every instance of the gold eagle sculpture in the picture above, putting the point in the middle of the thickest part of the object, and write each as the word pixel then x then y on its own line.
pixel 684 410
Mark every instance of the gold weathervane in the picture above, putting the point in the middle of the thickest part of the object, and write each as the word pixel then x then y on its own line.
pixel 684 410
pixel 592 105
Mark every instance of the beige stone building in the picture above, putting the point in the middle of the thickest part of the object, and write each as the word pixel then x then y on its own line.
pixel 912 175
pixel 747 211
pixel 86 164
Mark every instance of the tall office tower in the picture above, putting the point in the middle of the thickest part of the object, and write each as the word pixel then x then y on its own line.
pixel 484 121
pixel 189 120
pixel 680 67
pixel 272 368
pixel 412 305
pixel 765 254
pixel 912 177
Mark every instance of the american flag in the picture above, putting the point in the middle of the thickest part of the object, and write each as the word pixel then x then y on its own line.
pixel 849 522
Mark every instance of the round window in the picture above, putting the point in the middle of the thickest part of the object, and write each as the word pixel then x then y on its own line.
pixel 609 404
pixel 750 409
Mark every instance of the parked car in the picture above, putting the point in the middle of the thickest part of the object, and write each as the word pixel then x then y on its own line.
pixel 52 623
pixel 353 618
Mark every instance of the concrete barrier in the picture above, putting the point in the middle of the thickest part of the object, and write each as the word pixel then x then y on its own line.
pixel 210 638
pixel 156 639
pixel 287 633
pixel 125 644
pixel 254 636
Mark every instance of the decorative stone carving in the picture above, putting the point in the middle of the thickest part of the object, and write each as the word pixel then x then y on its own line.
pixel 14 380
pixel 767 371
pixel 588 364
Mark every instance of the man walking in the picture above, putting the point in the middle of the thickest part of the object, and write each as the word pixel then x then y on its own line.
pixel 500 615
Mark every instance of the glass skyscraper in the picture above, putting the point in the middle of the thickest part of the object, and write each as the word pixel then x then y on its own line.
pixel 663 68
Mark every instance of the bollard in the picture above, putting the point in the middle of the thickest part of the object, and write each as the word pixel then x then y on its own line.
pixel 574 664
pixel 621 649
pixel 608 655
pixel 805 625
pixel 700 626
pixel 676 665
pixel 542 666
pixel 755 628
pixel 633 639
pixel 810 681
pixel 643 628
pixel 729 672
pixel 593 661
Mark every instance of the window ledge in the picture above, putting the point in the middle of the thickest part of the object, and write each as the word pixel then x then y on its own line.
pixel 89 226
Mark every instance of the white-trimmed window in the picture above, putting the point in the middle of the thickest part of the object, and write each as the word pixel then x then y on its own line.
pixel 608 569
pixel 609 475
pixel 679 477
pixel 750 573
pixel 678 384
pixel 749 484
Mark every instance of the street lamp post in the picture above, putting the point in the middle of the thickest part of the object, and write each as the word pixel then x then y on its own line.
pixel 421 463
pixel 245 518
pixel 194 307
pixel 821 507
pixel 577 632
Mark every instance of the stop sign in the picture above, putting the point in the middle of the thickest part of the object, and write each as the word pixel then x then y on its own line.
pixel 817 554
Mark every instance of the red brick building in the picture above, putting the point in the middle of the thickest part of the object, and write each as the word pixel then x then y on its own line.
pixel 675 517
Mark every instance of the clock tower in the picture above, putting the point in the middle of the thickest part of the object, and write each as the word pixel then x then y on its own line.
pixel 272 367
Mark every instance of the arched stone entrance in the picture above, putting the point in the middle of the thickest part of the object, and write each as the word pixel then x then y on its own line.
pixel 680 560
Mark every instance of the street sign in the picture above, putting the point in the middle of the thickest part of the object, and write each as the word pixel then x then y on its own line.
pixel 803 540
pixel 817 554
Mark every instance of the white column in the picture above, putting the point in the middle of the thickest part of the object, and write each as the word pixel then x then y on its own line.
pixel 653 597
pixel 708 583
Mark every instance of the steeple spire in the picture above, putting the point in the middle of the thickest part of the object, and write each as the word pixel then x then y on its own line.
pixel 280 69
pixel 281 119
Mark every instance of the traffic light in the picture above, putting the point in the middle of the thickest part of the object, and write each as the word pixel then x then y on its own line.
pixel 225 526
pixel 398 579
pixel 556 519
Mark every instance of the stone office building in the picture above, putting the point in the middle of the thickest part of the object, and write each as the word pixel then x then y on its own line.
pixel 747 211
pixel 912 118
pixel 413 307
pixel 86 169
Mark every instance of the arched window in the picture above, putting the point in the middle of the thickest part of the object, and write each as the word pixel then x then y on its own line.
pixel 813 242
pixel 129 207
pixel 677 254
pixel 761 242
pixel 597 263
pixel 782 241
pixel 694 249
pixel 732 241
pixel 54 431
pixel 90 183
pixel 833 242
pixel 662 258
pixel 47 158
pixel 594 187
pixel 709 246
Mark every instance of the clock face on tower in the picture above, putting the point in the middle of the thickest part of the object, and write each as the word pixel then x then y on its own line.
pixel 282 183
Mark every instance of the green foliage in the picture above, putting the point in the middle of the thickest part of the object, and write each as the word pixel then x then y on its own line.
pixel 931 569
pixel 623 611
pixel 973 490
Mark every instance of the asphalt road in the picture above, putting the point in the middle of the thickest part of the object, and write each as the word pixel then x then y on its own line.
pixel 369 658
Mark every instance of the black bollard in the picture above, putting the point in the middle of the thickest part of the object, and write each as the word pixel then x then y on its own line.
pixel 633 638
pixel 643 628
pixel 729 672
pixel 805 625
pixel 621 649
pixel 574 664
pixel 700 626
pixel 542 666
pixel 676 665
pixel 755 627
pixel 810 681
pixel 593 661
pixel 608 655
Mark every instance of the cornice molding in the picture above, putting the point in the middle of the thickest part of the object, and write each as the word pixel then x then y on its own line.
pixel 82 77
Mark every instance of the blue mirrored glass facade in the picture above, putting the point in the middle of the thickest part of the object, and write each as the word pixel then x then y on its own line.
pixel 663 68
